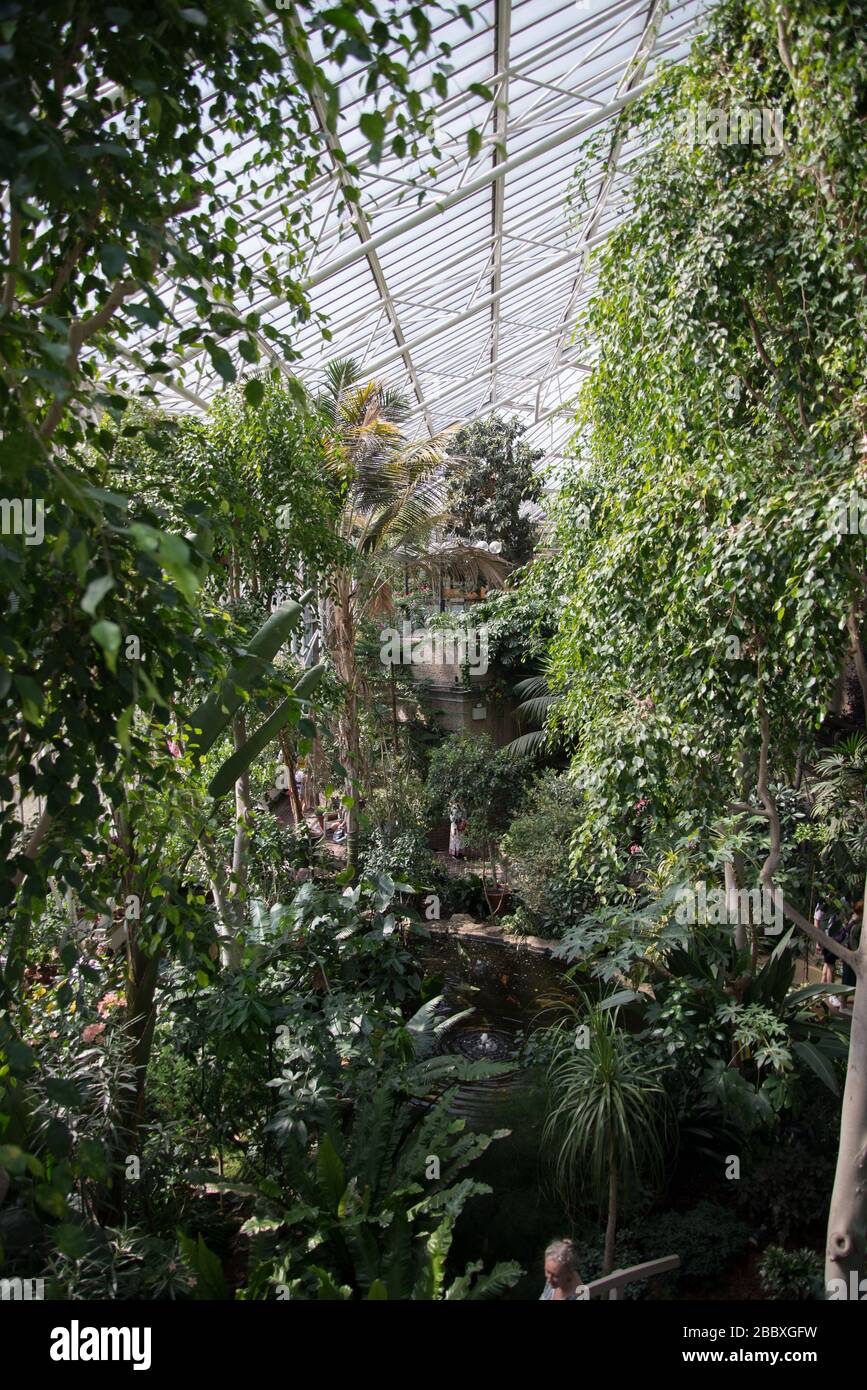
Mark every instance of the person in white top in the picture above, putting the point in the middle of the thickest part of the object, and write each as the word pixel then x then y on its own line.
pixel 457 826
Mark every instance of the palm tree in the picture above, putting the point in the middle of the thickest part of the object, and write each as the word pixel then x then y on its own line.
pixel 608 1114
pixel 539 703
pixel 840 797
pixel 393 504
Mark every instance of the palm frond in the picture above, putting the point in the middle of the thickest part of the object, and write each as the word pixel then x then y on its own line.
pixel 532 742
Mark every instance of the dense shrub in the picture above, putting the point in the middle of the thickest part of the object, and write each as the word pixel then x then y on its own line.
pixel 791 1273
pixel 787 1191
pixel 405 856
pixel 707 1238
pixel 485 780
pixel 538 848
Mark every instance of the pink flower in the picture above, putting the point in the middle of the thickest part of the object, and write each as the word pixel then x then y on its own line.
pixel 92 1032
pixel 635 849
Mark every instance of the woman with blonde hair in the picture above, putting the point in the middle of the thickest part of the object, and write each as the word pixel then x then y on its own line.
pixel 562 1280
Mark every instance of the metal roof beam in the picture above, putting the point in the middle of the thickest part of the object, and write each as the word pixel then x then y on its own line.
pixel 359 221
pixel 630 81
pixel 502 38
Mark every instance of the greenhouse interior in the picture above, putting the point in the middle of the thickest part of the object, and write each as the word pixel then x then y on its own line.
pixel 433 791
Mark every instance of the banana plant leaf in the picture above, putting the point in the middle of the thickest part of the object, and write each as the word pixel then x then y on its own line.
pixel 236 765
pixel 211 717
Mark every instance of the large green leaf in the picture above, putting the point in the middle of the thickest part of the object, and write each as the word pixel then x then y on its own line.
pixel 236 765
pixel 210 1281
pixel 212 716
pixel 330 1178
pixel 819 1063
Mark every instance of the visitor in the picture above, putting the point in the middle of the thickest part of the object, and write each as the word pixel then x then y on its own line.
pixel 833 922
pixel 853 936
pixel 457 826
pixel 562 1280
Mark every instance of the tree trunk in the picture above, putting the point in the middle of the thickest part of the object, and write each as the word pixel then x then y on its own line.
pixel 853 623
pixel 847 1218
pixel 228 922
pixel 243 812
pixel 394 709
pixel 611 1226
pixel 289 761
pixel 350 761
pixel 846 1253
pixel 141 1016
pixel 19 936
pixel 343 637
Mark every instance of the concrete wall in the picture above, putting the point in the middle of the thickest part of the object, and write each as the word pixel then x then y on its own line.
pixel 459 711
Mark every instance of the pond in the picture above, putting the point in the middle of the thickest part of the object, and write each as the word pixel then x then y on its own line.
pixel 509 990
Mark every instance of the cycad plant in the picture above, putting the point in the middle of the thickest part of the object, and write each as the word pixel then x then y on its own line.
pixel 608 1116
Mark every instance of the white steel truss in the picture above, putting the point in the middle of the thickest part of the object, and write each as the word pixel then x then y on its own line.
pixel 471 300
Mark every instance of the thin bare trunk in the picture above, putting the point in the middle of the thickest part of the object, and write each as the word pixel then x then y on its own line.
pixel 847 1218
pixel 394 709
pixel 243 813
pixel 289 763
pixel 611 1225
pixel 343 636
pixel 853 623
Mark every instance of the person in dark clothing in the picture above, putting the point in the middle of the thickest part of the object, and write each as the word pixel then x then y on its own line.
pixel 833 922
pixel 853 936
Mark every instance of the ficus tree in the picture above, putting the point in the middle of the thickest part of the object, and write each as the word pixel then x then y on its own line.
pixel 713 590
pixel 111 164
pixel 121 235
pixel 487 495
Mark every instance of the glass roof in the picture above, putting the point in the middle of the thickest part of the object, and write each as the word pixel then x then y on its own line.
pixel 468 294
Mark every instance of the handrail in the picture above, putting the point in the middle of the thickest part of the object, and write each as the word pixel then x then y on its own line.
pixel 610 1283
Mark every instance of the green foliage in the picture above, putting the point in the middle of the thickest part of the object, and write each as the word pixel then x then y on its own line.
pixel 608 1111
pixel 520 619
pixel 495 476
pixel 371 1220
pixel 791 1274
pixel 113 192
pixel 707 1238
pixel 708 581
pixel 253 475
pixel 538 846
pixel 839 800
pixel 785 1185
pixel 404 856
pixel 486 782
pixel 367 1216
